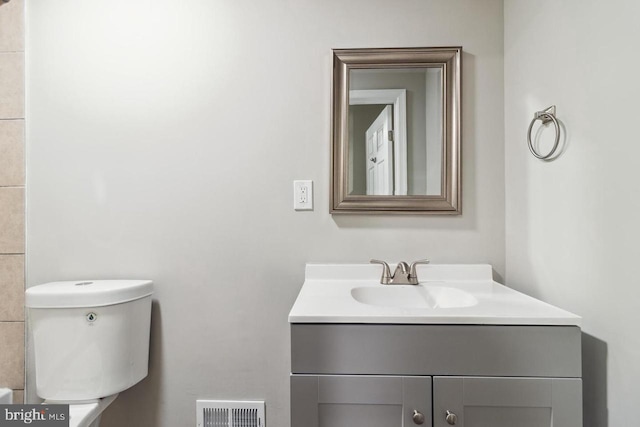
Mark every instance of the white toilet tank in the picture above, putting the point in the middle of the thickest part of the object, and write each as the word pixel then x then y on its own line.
pixel 90 339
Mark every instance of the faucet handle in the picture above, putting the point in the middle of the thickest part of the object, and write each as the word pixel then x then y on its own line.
pixel 386 271
pixel 413 275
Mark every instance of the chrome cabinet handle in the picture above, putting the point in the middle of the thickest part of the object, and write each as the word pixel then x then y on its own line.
pixel 451 418
pixel 418 417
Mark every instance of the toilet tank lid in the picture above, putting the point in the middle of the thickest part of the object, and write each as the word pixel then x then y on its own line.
pixel 86 293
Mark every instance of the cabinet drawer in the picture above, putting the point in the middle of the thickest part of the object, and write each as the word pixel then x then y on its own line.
pixel 470 350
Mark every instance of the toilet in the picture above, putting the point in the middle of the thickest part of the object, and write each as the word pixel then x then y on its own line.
pixel 90 341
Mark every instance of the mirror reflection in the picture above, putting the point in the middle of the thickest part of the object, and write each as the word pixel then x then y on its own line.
pixel 395 121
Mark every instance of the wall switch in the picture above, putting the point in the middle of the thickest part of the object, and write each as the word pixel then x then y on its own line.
pixel 303 195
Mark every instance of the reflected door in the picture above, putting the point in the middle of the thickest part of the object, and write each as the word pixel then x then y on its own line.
pixel 380 154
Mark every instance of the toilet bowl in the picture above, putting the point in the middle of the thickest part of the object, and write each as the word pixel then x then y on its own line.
pixel 86 414
pixel 6 396
pixel 90 341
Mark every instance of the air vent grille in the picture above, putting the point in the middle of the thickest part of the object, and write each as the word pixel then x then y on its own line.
pixel 230 413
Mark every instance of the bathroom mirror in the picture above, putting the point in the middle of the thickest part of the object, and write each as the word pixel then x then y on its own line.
pixel 396 131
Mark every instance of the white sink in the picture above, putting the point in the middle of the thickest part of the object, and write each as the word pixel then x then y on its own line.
pixel 447 294
pixel 410 296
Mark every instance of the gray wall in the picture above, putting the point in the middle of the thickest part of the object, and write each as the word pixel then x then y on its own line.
pixel 434 134
pixel 572 224
pixel 162 140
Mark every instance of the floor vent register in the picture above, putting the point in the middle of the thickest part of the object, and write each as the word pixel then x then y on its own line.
pixel 230 413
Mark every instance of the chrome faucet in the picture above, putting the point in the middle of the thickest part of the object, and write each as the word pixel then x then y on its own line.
pixel 403 274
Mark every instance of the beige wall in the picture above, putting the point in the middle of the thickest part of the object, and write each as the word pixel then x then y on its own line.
pixel 12 181
pixel 572 225
pixel 162 141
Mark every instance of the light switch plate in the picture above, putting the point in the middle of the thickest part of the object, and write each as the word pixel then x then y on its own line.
pixel 303 195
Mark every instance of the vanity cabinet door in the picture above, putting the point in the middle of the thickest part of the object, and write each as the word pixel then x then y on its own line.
pixel 359 401
pixel 507 402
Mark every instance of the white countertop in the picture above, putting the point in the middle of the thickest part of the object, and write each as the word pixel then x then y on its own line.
pixel 326 297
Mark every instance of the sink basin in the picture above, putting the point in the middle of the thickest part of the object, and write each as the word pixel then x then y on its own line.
pixel 413 296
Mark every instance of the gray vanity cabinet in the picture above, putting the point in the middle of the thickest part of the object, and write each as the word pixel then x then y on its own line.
pixel 507 402
pixel 357 375
pixel 359 401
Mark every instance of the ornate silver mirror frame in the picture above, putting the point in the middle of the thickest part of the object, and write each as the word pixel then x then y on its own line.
pixel 448 59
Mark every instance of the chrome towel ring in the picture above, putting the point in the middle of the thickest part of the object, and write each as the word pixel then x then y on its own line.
pixel 546 116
